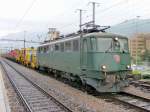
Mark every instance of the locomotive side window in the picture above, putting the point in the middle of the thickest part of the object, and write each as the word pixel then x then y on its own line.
pixel 68 46
pixel 39 50
pixel 45 49
pixel 57 47
pixel 75 45
pixel 85 49
pixel 42 49
pixel 93 44
pixel 49 48
pixel 62 47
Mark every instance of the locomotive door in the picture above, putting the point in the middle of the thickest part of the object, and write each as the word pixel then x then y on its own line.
pixel 84 54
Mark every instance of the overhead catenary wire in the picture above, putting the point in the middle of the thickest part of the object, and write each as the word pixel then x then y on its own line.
pixel 134 25
pixel 114 6
pixel 26 12
pixel 102 11
pixel 70 25
pixel 108 8
pixel 129 19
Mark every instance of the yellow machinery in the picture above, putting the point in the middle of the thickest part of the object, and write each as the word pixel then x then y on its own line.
pixel 30 59
pixel 22 56
pixel 33 58
pixel 27 57
pixel 18 55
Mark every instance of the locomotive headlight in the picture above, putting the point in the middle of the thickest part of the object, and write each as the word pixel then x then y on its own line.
pixel 103 67
pixel 116 38
pixel 128 67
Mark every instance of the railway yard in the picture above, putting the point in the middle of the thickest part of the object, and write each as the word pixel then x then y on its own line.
pixel 30 90
pixel 102 67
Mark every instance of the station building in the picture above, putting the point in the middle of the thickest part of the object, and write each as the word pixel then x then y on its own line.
pixel 139 44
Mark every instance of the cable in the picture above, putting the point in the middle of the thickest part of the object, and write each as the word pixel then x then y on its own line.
pixel 103 10
pixel 71 24
pixel 133 25
pixel 114 5
pixel 108 8
pixel 26 12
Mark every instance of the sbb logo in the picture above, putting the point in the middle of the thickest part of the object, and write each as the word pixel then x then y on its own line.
pixel 117 58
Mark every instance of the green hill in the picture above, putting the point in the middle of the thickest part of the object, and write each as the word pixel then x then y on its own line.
pixel 131 27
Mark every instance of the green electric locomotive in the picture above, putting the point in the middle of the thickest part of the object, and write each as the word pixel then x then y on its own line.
pixel 100 60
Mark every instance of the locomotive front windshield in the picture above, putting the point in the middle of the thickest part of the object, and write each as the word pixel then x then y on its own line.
pixel 109 45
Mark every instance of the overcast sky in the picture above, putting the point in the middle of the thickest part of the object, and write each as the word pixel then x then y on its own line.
pixel 20 15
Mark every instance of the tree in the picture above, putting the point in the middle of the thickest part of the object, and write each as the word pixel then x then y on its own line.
pixel 146 56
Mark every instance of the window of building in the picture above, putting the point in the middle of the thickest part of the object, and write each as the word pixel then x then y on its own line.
pixel 75 45
pixel 68 46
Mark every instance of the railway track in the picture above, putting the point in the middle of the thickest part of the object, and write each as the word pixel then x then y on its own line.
pixel 141 84
pixel 33 97
pixel 134 101
pixel 127 99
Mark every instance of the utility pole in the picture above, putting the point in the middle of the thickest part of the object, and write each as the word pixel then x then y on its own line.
pixel 137 19
pixel 81 34
pixel 80 20
pixel 24 43
pixel 136 39
pixel 93 5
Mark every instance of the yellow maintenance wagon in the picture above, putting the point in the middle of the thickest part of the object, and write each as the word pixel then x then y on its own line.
pixel 33 59
pixel 18 56
pixel 29 58
pixel 22 56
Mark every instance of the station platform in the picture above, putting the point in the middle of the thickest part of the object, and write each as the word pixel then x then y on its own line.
pixel 4 106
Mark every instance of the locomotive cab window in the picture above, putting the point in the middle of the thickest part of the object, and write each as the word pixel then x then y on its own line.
pixel 123 45
pixel 100 44
pixel 104 44
pixel 109 44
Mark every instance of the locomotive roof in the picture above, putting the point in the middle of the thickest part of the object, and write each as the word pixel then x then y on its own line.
pixel 97 34
pixel 104 34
